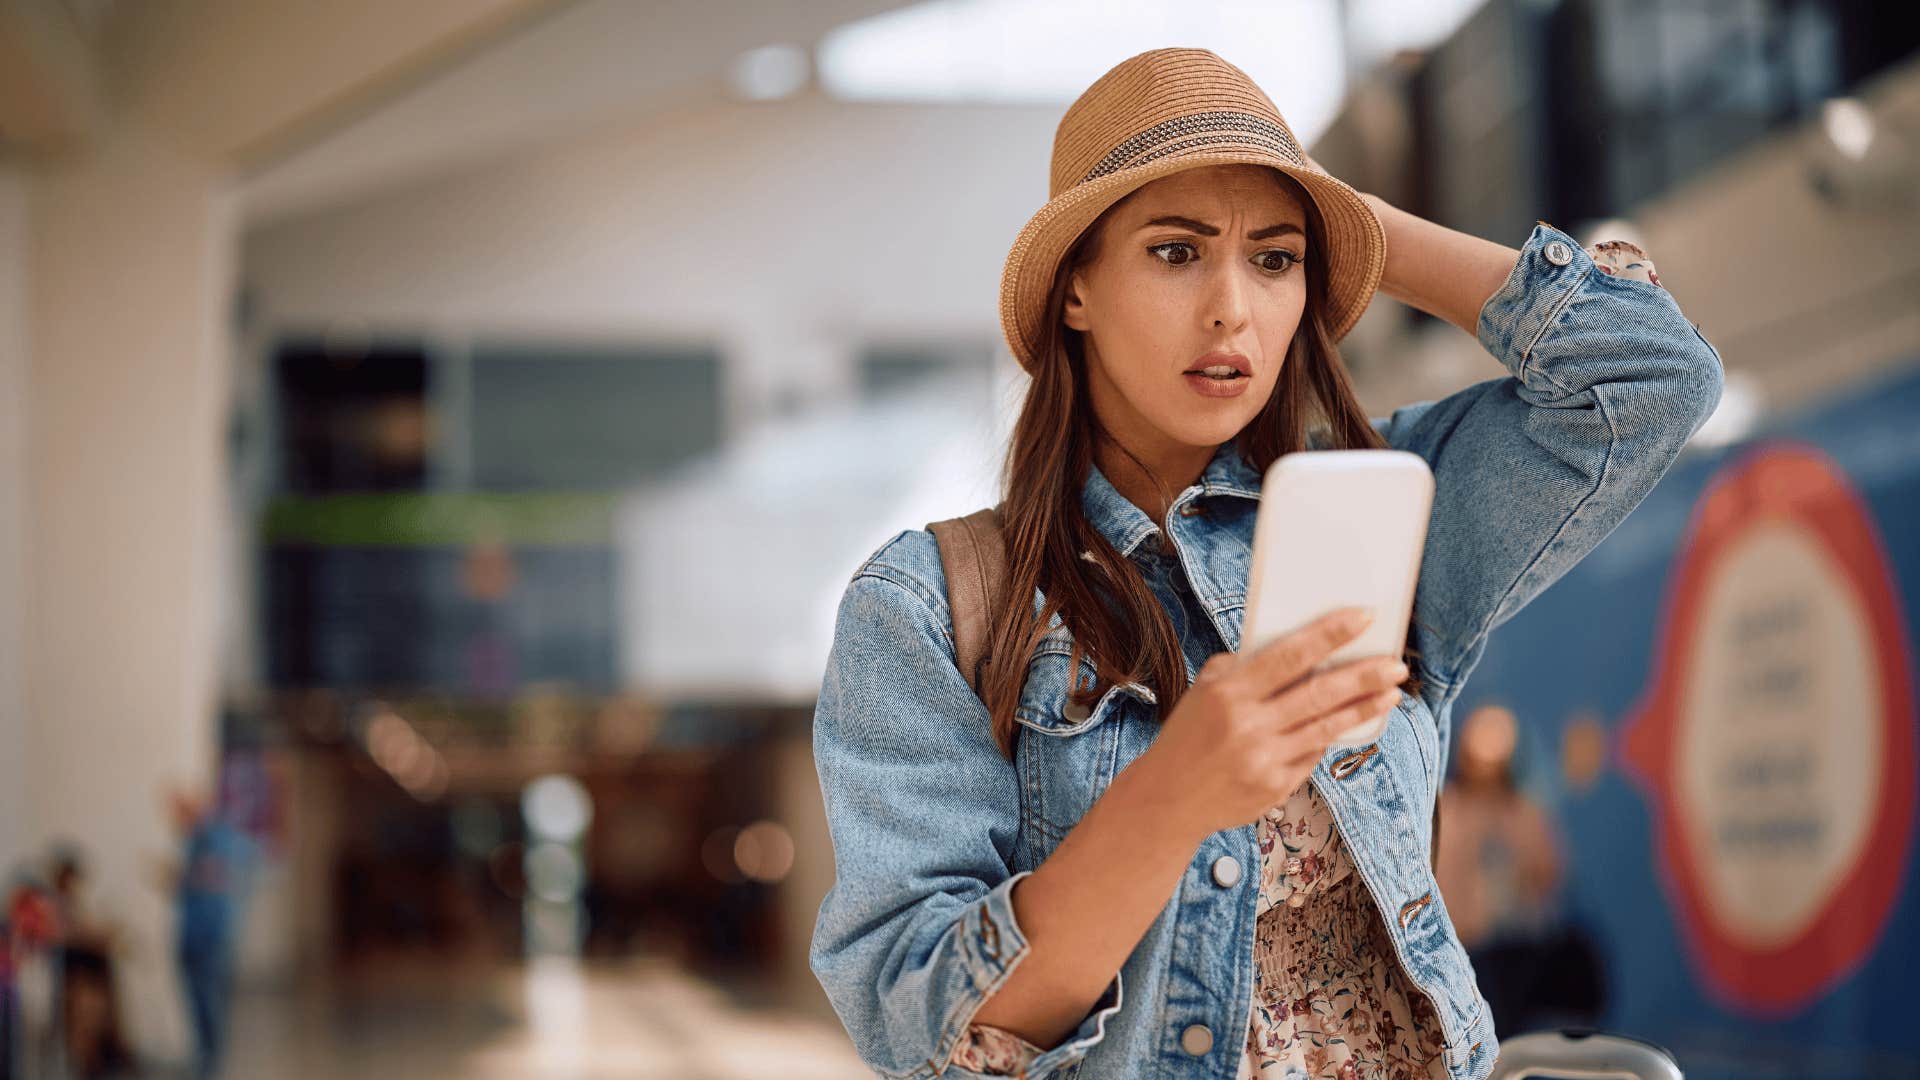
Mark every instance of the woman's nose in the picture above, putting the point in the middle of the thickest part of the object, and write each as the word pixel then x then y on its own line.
pixel 1227 301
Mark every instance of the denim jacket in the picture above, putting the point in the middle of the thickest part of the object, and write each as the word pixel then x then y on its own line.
pixel 932 826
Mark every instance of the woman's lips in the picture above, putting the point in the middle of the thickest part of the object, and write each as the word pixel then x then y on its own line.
pixel 1207 386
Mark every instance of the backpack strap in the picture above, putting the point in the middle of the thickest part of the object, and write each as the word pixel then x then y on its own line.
pixel 973 553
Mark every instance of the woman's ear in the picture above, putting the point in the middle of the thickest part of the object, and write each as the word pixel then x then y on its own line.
pixel 1074 312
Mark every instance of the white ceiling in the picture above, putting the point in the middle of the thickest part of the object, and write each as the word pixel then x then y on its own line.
pixel 585 64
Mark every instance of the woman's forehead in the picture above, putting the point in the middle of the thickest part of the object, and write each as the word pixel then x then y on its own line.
pixel 1217 188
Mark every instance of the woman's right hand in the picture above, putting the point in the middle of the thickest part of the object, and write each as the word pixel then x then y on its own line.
pixel 1250 729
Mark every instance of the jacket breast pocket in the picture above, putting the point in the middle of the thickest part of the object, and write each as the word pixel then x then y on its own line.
pixel 1067 752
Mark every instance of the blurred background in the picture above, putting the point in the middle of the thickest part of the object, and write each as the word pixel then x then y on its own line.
pixel 434 438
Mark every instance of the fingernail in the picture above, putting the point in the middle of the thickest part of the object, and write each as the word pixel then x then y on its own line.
pixel 1361 617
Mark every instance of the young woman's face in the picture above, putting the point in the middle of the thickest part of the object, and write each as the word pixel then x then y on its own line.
pixel 1203 262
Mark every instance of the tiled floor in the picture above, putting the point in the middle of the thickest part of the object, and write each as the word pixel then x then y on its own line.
pixel 551 1020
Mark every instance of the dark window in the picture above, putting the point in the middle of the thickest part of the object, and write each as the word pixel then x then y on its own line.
pixel 572 418
pixel 352 418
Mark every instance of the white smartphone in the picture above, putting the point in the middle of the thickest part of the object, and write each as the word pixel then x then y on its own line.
pixel 1337 529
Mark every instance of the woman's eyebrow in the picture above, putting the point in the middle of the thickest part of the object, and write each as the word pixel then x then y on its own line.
pixel 1205 229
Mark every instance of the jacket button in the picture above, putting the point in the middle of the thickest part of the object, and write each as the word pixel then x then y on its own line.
pixel 1558 253
pixel 1226 871
pixel 1077 711
pixel 1196 1040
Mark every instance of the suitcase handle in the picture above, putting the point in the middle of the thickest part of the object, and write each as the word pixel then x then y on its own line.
pixel 1582 1054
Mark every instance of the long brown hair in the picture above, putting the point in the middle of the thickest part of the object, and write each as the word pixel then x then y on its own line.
pixel 1104 602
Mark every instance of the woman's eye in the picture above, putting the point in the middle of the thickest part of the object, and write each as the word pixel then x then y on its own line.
pixel 1169 248
pixel 1267 260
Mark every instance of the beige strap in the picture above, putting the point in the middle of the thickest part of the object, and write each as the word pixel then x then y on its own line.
pixel 973 554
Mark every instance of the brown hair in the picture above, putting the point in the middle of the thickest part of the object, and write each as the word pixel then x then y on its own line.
pixel 1105 603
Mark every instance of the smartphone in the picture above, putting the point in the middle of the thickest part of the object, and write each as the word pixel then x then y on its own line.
pixel 1337 529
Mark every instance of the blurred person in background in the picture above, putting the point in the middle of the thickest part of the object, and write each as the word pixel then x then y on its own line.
pixel 209 884
pixel 1499 868
pixel 1126 848
pixel 29 933
pixel 95 1042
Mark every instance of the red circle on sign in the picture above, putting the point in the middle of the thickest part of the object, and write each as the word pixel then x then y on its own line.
pixel 1800 484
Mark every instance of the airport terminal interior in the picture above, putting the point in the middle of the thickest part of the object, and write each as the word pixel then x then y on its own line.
pixel 435 439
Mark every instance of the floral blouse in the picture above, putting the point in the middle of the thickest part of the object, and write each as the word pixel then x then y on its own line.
pixel 1331 1001
pixel 1621 258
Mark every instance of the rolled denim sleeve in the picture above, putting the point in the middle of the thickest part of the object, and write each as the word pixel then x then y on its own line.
pixel 1608 381
pixel 918 929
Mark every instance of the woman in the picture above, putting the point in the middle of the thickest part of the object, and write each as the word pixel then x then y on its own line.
pixel 1132 853
pixel 1498 862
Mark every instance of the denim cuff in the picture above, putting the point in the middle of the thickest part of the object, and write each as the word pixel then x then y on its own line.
pixel 1513 320
pixel 995 945
pixel 993 939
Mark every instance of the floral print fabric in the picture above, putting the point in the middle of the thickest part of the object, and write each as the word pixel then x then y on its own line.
pixel 994 1050
pixel 1622 258
pixel 1330 1000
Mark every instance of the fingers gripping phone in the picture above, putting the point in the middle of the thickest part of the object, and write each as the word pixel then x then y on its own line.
pixel 1337 529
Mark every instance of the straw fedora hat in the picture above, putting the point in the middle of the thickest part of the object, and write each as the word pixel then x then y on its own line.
pixel 1153 115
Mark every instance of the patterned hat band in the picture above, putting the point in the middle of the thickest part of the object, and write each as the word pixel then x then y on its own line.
pixel 1191 132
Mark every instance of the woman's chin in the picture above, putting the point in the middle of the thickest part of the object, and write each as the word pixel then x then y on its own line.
pixel 1209 425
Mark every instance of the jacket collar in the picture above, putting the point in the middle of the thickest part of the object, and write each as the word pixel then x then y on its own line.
pixel 1126 525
